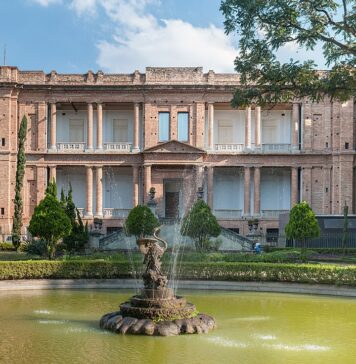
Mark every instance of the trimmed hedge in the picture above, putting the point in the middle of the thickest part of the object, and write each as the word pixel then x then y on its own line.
pixel 6 246
pixel 334 251
pixel 273 272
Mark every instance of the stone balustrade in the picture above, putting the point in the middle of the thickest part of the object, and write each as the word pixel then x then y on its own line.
pixel 117 147
pixel 235 148
pixel 69 147
pixel 115 213
pixel 272 213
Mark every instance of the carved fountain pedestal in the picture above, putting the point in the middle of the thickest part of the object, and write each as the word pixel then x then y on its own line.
pixel 156 310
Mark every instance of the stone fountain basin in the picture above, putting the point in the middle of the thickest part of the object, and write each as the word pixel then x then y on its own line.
pixel 158 313
pixel 119 324
pixel 170 302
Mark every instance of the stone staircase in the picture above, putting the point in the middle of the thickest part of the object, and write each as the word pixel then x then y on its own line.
pixel 170 231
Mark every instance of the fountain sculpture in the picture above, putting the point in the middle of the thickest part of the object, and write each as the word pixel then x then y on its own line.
pixel 156 310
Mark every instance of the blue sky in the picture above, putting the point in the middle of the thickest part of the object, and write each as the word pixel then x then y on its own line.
pixel 73 36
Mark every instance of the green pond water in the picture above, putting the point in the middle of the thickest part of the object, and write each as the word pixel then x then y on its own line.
pixel 62 327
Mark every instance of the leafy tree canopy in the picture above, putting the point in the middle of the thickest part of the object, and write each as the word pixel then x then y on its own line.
pixel 141 222
pixel 264 26
pixel 200 224
pixel 302 223
pixel 50 223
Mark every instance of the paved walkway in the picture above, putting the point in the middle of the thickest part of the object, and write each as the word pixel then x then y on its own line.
pixel 319 289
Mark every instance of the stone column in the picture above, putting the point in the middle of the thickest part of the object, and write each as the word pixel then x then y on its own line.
pixel 90 128
pixel 52 173
pixel 136 143
pixel 247 178
pixel 99 192
pixel 135 185
pixel 210 186
pixel 148 181
pixel 53 126
pixel 89 207
pixel 258 127
pixel 210 126
pixel 99 129
pixel 248 127
pixel 295 125
pixel 294 186
pixel 257 191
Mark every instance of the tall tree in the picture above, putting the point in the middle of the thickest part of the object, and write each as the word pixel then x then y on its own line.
pixel 20 172
pixel 264 27
pixel 79 235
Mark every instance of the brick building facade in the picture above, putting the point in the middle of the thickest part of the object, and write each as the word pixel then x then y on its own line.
pixel 114 136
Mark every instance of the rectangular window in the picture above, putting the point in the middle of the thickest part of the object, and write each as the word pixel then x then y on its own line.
pixel 76 131
pixel 3 142
pixel 2 211
pixel 163 126
pixel 120 130
pixel 225 132
pixel 183 126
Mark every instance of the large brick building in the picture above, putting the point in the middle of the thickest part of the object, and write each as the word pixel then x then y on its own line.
pixel 114 136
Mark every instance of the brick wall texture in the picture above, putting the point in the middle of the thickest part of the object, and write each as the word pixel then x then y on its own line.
pixel 325 160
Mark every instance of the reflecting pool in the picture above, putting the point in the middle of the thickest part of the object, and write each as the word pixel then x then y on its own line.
pixel 62 327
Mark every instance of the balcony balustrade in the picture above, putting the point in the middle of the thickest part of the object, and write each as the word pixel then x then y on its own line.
pixel 70 147
pixel 278 147
pixel 115 213
pixel 272 213
pixel 81 211
pixel 117 147
pixel 228 214
pixel 229 147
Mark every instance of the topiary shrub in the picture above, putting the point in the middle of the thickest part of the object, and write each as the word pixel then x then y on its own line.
pixel 200 224
pixel 302 225
pixel 141 222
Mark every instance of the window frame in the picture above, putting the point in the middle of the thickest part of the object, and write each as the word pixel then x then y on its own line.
pixel 188 131
pixel 160 140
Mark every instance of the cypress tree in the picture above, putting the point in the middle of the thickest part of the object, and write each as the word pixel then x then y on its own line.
pixel 20 172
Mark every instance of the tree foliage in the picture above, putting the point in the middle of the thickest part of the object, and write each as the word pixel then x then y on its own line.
pixel 20 172
pixel 302 224
pixel 200 224
pixel 79 234
pixel 264 27
pixel 50 222
pixel 141 222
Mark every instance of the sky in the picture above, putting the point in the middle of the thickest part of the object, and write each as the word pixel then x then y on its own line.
pixel 120 36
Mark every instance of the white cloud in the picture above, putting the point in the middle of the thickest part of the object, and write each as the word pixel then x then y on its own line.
pixel 142 40
pixel 47 2
pixel 139 39
pixel 84 6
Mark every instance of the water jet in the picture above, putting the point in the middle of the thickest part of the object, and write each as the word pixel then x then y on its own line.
pixel 156 310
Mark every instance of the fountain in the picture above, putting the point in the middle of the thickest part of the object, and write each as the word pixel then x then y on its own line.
pixel 156 310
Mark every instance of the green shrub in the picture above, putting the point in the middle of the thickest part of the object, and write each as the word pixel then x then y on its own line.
pixel 141 222
pixel 245 271
pixel 5 246
pixel 200 224
pixel 35 247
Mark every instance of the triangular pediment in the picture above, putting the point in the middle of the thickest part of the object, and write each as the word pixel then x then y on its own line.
pixel 174 146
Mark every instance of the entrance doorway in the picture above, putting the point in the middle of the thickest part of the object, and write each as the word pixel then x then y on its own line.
pixel 173 198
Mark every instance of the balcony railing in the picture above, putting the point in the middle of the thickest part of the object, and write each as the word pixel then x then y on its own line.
pixel 69 147
pixel 81 211
pixel 272 213
pixel 278 147
pixel 228 214
pixel 111 213
pixel 118 147
pixel 229 147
